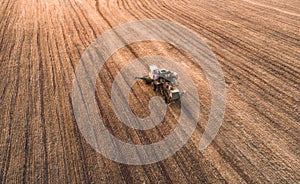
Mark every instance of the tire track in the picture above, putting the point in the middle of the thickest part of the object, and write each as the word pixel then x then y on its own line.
pixel 273 8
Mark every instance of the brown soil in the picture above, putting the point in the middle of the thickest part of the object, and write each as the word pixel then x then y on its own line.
pixel 257 43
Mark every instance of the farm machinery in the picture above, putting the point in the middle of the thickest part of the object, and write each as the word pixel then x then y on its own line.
pixel 163 81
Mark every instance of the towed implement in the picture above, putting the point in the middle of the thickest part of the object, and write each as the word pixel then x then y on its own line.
pixel 163 81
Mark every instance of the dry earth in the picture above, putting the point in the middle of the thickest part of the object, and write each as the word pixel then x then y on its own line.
pixel 257 43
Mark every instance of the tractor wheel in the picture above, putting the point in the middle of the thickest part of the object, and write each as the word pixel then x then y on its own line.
pixel 161 90
pixel 154 87
pixel 167 100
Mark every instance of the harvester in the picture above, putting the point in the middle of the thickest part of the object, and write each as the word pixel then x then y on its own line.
pixel 164 82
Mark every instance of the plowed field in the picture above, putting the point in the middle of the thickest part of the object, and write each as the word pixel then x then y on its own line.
pixel 256 42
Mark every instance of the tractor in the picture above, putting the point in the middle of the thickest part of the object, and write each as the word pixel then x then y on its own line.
pixel 163 81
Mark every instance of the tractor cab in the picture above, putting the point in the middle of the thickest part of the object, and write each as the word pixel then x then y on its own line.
pixel 175 95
